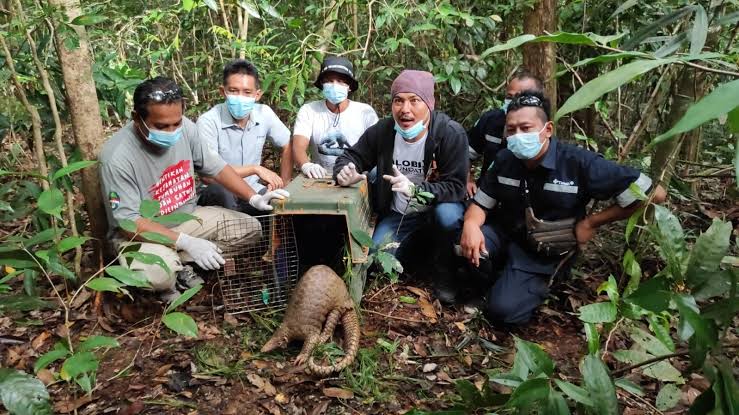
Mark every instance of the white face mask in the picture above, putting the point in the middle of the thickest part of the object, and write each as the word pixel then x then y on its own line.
pixel 525 146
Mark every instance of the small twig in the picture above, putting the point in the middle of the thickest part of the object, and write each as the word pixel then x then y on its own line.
pixel 122 371
pixel 394 317
pixel 610 334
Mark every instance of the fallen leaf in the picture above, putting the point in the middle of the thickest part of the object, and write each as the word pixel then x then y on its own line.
pixel 443 376
pixel 262 384
pixel 62 331
pixel 39 340
pixel 420 348
pixel 81 299
pixel 479 383
pixel 46 376
pixel 419 292
pixel 460 326
pixel 429 367
pixel 427 309
pixel 431 377
pixel 281 398
pixel 320 408
pixel 133 409
pixel 260 364
pixel 65 407
pixel 163 370
pixel 467 360
pixel 338 393
pixel 688 395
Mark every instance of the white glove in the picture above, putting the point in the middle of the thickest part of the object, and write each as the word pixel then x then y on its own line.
pixel 399 182
pixel 349 175
pixel 261 202
pixel 313 170
pixel 205 253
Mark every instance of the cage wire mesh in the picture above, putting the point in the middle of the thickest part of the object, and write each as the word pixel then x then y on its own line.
pixel 261 273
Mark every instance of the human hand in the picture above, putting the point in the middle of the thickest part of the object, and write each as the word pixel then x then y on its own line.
pixel 473 244
pixel 261 202
pixel 273 180
pixel 313 170
pixel 471 189
pixel 348 175
pixel 400 183
pixel 584 232
pixel 205 253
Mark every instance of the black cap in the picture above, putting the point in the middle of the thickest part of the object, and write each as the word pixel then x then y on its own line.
pixel 338 65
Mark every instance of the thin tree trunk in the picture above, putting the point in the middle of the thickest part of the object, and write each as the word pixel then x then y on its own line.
pixel 84 110
pixel 38 139
pixel 540 58
pixel 58 130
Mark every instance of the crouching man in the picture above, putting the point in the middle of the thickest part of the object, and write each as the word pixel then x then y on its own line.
pixel 155 157
pixel 416 150
pixel 529 213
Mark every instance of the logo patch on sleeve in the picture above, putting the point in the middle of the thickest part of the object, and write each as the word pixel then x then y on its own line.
pixel 114 199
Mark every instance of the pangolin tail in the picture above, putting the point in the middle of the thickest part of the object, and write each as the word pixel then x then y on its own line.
pixel 350 324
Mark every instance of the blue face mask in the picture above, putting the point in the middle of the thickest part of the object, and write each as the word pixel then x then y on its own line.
pixel 506 103
pixel 163 139
pixel 240 106
pixel 525 146
pixel 410 133
pixel 335 93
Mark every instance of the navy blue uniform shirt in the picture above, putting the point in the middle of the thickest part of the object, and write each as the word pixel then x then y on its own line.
pixel 486 137
pixel 565 181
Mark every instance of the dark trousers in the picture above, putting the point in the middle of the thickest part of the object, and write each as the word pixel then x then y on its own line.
pixel 522 282
pixel 216 195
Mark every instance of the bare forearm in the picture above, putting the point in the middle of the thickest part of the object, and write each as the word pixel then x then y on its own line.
pixel 231 181
pixel 286 164
pixel 475 216
pixel 146 225
pixel 615 213
pixel 299 146
pixel 246 171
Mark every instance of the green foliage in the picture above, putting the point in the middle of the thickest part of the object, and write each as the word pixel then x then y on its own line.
pixel 389 266
pixel 22 394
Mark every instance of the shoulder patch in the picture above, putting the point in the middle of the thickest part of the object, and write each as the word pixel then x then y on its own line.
pixel 114 200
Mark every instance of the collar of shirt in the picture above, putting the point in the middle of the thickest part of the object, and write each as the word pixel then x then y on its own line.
pixel 228 121
pixel 550 158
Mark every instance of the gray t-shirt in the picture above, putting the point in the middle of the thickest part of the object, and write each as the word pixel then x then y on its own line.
pixel 408 158
pixel 242 146
pixel 131 172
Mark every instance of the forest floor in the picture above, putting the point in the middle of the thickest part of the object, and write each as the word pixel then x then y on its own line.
pixel 411 353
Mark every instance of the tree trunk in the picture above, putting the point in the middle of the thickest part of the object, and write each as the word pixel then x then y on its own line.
pixel 540 58
pixel 84 110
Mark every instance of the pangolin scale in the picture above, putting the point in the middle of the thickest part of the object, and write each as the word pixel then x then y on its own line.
pixel 318 302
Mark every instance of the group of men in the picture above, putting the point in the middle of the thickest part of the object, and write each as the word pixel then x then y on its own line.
pixel 517 223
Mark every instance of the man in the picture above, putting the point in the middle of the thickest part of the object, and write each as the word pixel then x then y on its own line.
pixel 529 213
pixel 417 149
pixel 486 137
pixel 331 125
pixel 155 157
pixel 237 130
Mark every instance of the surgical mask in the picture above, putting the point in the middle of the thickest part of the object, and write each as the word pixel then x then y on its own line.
pixel 335 93
pixel 163 139
pixel 240 106
pixel 410 133
pixel 506 103
pixel 525 146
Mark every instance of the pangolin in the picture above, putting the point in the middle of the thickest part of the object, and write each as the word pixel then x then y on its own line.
pixel 318 302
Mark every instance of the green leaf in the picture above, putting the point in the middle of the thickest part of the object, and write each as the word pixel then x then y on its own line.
pixel 506 379
pixel 512 43
pixel 534 357
pixel 188 5
pixel 104 284
pixel 591 332
pixel 211 5
pixel 88 20
pixel 700 30
pixel 182 298
pixel 181 323
pixel 653 295
pixel 423 27
pixel 388 262
pixel 661 370
pixel 20 302
pixel 648 342
pixel 128 276
pixel 629 386
pixel 77 364
pixel 623 7
pixel 599 385
pixel 668 397
pixel 661 332
pixel 726 388
pixel 157 238
pixel 23 394
pixel 175 218
pixel 595 88
pixel 556 404
pixel 705 257
pixel 604 312
pixel 127 225
pixel 70 243
pixel 705 333
pixel 71 168
pixel 610 287
pixel 721 100
pixel 51 202
pixel 607 58
pixel 362 238
pixel 149 259
pixel 733 120
pixel 648 30
pixel 528 392
pixel 736 154
pixel 471 397
pixel 149 208
pixel 58 352
pixel 96 342
pixel 574 392
pixel 633 270
pixel 407 300
pixel 456 85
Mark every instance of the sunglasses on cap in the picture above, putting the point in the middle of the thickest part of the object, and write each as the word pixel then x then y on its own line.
pixel 528 101
pixel 169 95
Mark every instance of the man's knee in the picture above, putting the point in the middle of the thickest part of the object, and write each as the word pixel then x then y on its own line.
pixel 515 296
pixel 449 216
pixel 159 278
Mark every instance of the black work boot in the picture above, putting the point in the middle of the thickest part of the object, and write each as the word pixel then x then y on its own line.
pixel 445 287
